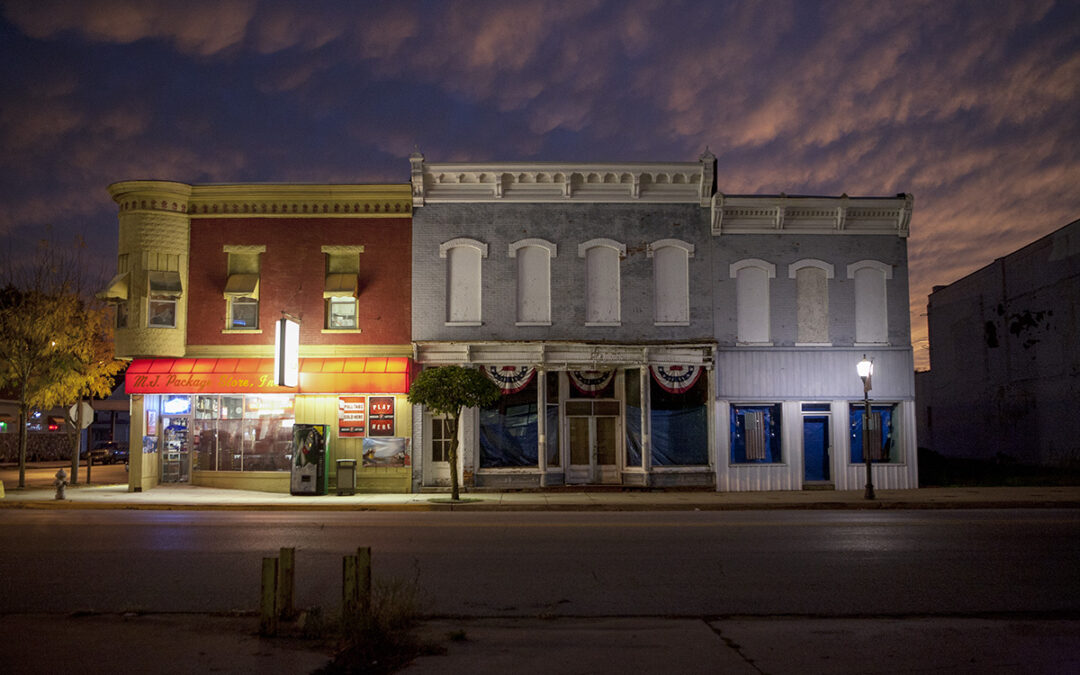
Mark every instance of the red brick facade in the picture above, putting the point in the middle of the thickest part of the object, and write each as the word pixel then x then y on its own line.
pixel 292 273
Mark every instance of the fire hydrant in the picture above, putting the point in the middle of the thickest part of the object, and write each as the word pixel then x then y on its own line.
pixel 61 484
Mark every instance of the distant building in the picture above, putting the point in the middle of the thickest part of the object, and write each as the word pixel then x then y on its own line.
pixel 1005 358
pixel 648 330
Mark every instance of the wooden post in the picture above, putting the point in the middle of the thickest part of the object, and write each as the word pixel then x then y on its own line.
pixel 268 616
pixel 356 582
pixel 286 575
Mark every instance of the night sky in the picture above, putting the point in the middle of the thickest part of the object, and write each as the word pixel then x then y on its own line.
pixel 974 107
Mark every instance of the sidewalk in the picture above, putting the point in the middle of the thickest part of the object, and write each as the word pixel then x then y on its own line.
pixel 180 497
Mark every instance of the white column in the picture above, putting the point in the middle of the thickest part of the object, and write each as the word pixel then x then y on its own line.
pixel 646 427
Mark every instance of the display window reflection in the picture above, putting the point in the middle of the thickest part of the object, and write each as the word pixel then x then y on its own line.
pixel 234 432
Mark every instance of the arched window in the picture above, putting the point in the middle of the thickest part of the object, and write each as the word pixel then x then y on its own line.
pixel 752 299
pixel 602 293
pixel 533 280
pixel 463 258
pixel 812 300
pixel 871 310
pixel 671 281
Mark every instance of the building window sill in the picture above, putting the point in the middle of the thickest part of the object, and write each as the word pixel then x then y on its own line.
pixel 532 323
pixel 241 331
pixel 340 330
pixel 463 323
pixel 603 323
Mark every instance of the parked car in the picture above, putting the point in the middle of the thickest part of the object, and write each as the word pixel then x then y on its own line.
pixel 108 452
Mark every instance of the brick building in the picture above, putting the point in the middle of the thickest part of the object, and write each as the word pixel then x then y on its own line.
pixel 204 274
pixel 649 330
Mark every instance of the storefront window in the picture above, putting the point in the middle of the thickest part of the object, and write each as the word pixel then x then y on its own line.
pixel 508 431
pixel 755 434
pixel 882 433
pixel 243 433
pixel 633 417
pixel 679 421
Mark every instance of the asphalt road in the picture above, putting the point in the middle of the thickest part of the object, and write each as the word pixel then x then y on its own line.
pixel 528 564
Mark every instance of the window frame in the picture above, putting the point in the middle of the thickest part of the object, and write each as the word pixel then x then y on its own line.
pixel 530 292
pixel 454 279
pixel 743 311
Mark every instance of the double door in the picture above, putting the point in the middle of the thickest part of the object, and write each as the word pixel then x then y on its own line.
pixel 593 439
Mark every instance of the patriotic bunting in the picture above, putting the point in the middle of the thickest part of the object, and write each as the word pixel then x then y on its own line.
pixel 590 381
pixel 676 379
pixel 511 379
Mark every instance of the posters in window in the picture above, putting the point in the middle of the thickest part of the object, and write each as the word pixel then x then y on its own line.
pixel 380 416
pixel 352 416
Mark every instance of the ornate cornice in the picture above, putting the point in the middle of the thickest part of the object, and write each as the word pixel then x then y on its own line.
pixel 264 200
pixel 811 215
pixel 648 182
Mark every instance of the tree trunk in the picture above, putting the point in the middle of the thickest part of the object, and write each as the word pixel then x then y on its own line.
pixel 454 494
pixel 24 411
pixel 77 443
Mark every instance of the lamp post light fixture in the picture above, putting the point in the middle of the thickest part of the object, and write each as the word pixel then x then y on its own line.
pixel 865 368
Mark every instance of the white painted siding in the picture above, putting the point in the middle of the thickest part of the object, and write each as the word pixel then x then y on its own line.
pixel 811 374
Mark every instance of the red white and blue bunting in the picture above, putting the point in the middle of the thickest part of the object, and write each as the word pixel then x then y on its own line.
pixel 676 379
pixel 510 379
pixel 591 381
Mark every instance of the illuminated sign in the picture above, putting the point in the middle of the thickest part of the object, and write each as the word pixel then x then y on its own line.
pixel 286 353
pixel 176 405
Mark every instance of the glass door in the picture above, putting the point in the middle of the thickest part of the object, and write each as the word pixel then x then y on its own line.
pixel 593 438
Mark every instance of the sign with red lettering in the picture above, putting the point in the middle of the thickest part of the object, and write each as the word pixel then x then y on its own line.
pixel 381 411
pixel 352 416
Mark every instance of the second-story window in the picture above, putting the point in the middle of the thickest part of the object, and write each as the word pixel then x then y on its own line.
pixel 752 300
pixel 671 281
pixel 242 286
pixel 533 281
pixel 342 287
pixel 602 282
pixel 163 290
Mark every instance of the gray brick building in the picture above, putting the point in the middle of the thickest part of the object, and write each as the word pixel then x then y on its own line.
pixel 649 330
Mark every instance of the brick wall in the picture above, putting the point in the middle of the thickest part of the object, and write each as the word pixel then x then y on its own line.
pixel 292 277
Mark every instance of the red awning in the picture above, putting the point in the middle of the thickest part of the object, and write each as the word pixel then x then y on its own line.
pixel 256 376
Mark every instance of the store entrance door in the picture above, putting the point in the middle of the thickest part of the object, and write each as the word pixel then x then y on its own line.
pixel 815 449
pixel 593 440
pixel 437 459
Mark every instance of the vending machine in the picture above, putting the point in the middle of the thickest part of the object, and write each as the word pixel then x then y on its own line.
pixel 309 476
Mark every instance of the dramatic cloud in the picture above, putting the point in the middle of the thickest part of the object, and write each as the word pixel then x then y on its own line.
pixel 972 107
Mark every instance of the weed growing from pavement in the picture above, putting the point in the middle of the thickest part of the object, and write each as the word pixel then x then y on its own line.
pixel 381 640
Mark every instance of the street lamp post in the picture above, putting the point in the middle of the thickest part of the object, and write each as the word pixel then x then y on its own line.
pixel 865 368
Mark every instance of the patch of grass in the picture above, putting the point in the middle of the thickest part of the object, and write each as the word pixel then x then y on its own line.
pixel 936 470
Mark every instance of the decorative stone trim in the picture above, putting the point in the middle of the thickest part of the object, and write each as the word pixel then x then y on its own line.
pixel 264 200
pixel 769 268
pixel 810 262
pixel 244 249
pixel 334 249
pixel 678 182
pixel 879 266
pixel 551 248
pixel 463 241
pixel 610 243
pixel 676 243
pixel 811 215
pixel 564 354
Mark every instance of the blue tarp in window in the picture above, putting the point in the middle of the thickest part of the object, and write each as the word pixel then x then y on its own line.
pixel 888 416
pixel 508 431
pixel 633 436
pixel 680 429
pixel 772 440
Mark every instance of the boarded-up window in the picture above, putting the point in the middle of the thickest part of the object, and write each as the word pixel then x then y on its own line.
pixel 811 294
pixel 463 256
pixel 671 282
pixel 602 285
pixel 752 300
pixel 871 310
pixel 533 280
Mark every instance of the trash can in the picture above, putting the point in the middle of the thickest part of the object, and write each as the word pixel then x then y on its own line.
pixel 346 477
